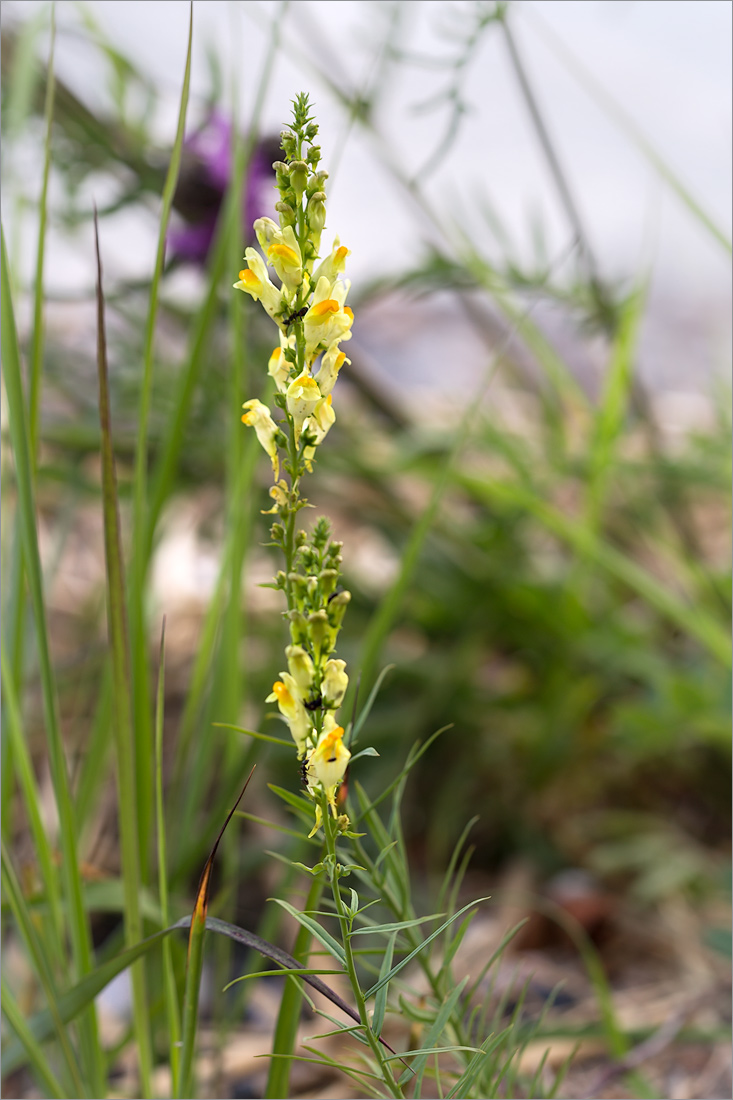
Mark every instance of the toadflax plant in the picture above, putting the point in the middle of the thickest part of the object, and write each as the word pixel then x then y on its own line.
pixel 313 321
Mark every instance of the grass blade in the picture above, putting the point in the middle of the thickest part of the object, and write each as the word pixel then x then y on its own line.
pixel 169 979
pixel 122 720
pixel 29 787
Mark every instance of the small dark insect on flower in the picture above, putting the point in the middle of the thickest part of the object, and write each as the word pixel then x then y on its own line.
pixel 314 704
pixel 304 772
pixel 293 317
pixel 333 595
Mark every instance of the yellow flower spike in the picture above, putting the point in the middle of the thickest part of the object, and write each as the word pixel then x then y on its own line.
pixel 258 416
pixel 290 704
pixel 332 362
pixel 255 281
pixel 302 396
pixel 335 682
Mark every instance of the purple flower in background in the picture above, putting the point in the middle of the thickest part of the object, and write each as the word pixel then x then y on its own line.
pixel 205 173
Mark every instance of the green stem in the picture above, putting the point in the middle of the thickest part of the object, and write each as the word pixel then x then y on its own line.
pixel 372 1039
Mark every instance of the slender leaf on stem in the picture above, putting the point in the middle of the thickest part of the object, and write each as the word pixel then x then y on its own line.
pixel 380 1001
pixel 332 946
pixel 408 958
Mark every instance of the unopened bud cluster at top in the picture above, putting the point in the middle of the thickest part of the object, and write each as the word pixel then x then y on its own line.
pixel 308 308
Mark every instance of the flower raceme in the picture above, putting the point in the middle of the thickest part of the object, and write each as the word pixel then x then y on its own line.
pixel 308 305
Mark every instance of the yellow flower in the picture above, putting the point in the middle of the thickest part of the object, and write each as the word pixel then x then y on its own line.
pixel 332 362
pixel 290 703
pixel 318 424
pixel 335 682
pixel 280 494
pixel 279 369
pixel 303 396
pixel 282 250
pixel 333 265
pixel 258 417
pixel 254 280
pixel 327 765
pixel 328 319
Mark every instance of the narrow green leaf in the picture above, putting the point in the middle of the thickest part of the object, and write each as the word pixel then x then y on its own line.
pixel 384 929
pixel 412 760
pixel 380 1001
pixel 438 1025
pixel 22 762
pixel 325 938
pixel 169 978
pixel 252 733
pixel 408 958
pixel 366 710
pixel 123 728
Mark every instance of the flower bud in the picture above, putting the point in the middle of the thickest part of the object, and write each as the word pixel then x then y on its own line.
pixel 319 631
pixel 335 683
pixel 317 211
pixel 328 579
pixel 298 627
pixel 299 177
pixel 300 666
pixel 299 584
pixel 287 214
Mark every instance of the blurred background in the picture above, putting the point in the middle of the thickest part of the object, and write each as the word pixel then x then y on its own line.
pixel 530 470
